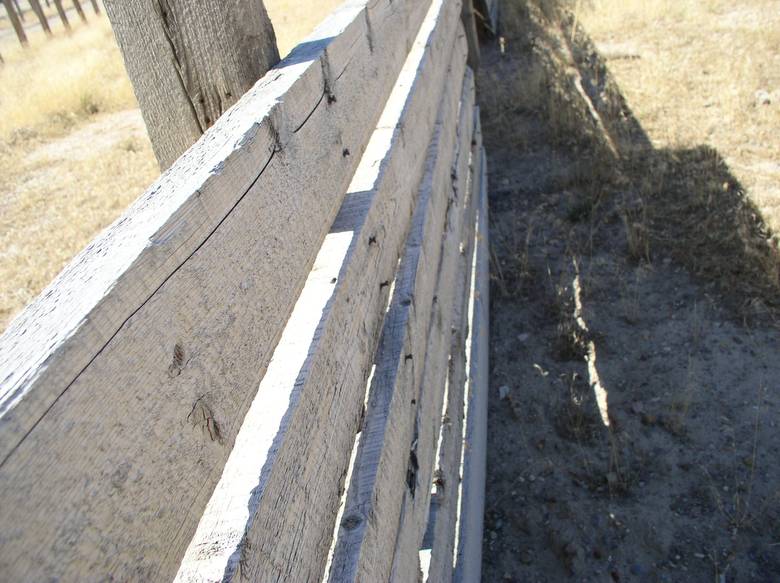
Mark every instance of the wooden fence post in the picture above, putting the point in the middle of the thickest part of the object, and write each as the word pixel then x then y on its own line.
pixel 19 10
pixel 36 6
pixel 61 12
pixel 15 22
pixel 80 10
pixel 188 66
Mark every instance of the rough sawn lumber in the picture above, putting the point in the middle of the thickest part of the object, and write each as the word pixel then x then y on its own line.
pixel 272 513
pixel 432 404
pixel 362 552
pixel 125 383
pixel 468 565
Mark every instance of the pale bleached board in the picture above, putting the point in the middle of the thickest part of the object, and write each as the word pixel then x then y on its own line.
pixel 468 565
pixel 272 514
pixel 415 513
pixel 447 482
pixel 125 383
pixel 362 552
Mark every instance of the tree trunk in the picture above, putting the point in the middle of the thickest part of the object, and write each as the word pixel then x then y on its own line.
pixel 96 6
pixel 14 18
pixel 61 12
pixel 36 6
pixel 80 10
pixel 188 65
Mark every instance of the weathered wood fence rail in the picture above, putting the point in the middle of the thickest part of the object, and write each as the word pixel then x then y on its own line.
pixel 273 366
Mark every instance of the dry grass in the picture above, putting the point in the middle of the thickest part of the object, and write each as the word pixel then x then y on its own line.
pixel 73 150
pixel 692 71
pixel 62 81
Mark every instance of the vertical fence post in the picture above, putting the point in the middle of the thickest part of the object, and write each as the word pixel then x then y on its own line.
pixel 15 22
pixel 36 6
pixel 61 12
pixel 19 10
pixel 80 10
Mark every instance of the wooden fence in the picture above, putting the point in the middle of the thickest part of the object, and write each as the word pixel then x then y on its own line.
pixel 273 366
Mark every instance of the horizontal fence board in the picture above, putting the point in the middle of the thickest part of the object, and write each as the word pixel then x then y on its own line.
pixel 124 385
pixel 271 516
pixel 468 565
pixel 373 500
pixel 447 479
pixel 431 404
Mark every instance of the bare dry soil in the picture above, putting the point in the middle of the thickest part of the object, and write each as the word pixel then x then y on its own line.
pixel 634 406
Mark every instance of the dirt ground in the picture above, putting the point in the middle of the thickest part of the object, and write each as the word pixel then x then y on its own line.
pixel 634 407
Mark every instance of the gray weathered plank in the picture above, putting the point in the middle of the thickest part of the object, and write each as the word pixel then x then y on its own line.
pixel 125 383
pixel 468 563
pixel 271 515
pixel 431 403
pixel 362 552
pixel 447 477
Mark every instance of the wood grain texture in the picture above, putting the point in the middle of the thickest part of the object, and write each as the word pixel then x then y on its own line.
pixel 124 385
pixel 189 62
pixel 382 466
pixel 431 408
pixel 272 514
pixel 447 476
pixel 468 564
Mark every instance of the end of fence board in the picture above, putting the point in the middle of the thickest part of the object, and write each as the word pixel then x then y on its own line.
pixel 468 565
pixel 362 552
pixel 272 514
pixel 125 383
